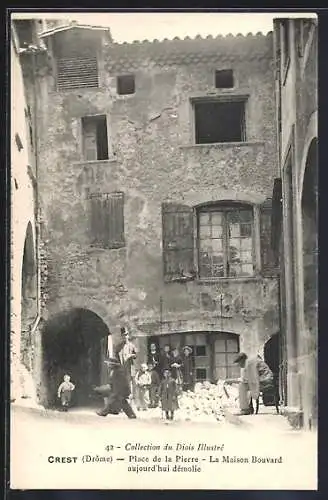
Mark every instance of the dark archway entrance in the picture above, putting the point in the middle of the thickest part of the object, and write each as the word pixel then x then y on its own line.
pixel 272 350
pixel 74 342
pixel 29 306
pixel 310 275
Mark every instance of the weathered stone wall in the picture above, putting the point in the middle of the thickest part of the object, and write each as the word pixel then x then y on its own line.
pixel 22 216
pixel 153 160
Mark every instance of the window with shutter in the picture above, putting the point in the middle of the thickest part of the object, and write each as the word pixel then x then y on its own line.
pixel 178 242
pixel 107 220
pixel 267 254
pixel 95 138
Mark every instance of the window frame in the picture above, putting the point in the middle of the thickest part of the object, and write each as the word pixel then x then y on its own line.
pixel 224 98
pixel 125 75
pixel 109 144
pixel 228 206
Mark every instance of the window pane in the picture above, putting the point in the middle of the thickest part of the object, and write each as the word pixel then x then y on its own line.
pixel 231 358
pixel 234 270
pixel 204 218
pixel 220 359
pixel 218 271
pixel 246 270
pixel 245 230
pixel 220 345
pixel 246 243
pixel 234 254
pixel 232 345
pixel 216 219
pixel 246 257
pixel 205 231
pixel 246 216
pixel 217 246
pixel 201 374
pixel 205 271
pixel 234 230
pixel 200 350
pixel 233 372
pixel 217 231
pixel 205 246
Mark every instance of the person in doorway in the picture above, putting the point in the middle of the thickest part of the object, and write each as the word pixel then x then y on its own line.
pixel 116 392
pixel 256 377
pixel 176 365
pixel 187 369
pixel 126 352
pixel 143 381
pixel 65 391
pixel 168 395
pixel 155 382
pixel 166 358
pixel 154 358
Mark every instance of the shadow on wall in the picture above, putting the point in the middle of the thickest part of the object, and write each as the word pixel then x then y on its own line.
pixel 74 342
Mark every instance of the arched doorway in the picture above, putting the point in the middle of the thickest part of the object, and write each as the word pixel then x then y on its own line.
pixel 310 273
pixel 29 297
pixel 74 342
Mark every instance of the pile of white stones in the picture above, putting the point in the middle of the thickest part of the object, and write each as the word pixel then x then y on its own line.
pixel 208 402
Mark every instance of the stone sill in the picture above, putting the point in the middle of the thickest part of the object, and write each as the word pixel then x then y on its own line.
pixel 201 281
pixel 95 162
pixel 218 145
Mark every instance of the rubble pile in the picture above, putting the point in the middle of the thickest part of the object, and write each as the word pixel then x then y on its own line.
pixel 208 401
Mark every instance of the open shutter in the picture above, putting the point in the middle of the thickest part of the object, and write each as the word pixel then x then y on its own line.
pixel 178 242
pixel 267 257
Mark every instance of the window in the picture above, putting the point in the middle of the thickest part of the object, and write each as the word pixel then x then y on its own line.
pixel 95 138
pixel 107 220
pixel 125 84
pixel 201 374
pixel 224 79
pixel 24 30
pixel 225 242
pixel 219 121
pixel 200 350
pixel 226 347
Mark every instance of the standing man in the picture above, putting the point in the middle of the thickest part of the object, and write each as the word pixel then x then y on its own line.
pixel 116 392
pixel 187 369
pixel 126 352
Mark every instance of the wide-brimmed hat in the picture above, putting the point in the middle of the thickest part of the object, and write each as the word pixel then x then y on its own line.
pixel 240 357
pixel 187 348
pixel 112 362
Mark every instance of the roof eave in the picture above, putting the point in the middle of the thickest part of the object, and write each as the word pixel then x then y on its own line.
pixel 61 29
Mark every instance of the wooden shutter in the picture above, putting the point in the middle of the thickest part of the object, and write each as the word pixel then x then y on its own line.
pixel 178 242
pixel 267 257
pixel 114 230
pixel 107 220
pixel 77 72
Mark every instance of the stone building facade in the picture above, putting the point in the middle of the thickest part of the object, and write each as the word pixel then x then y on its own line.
pixel 24 296
pixel 155 169
pixel 296 237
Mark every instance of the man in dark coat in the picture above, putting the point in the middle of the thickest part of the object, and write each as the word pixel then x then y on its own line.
pixel 116 392
pixel 187 369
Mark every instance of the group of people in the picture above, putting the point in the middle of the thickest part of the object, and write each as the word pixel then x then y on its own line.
pixel 160 381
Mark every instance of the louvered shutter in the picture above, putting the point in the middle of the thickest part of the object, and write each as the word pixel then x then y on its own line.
pixel 178 242
pixel 267 256
pixel 77 72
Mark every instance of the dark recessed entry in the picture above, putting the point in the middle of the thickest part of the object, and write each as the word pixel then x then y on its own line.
pixel 224 79
pixel 125 84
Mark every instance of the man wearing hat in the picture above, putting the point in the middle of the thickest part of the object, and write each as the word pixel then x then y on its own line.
pixel 116 392
pixel 126 352
pixel 187 368
pixel 256 377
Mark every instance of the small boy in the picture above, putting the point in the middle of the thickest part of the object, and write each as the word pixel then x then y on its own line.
pixel 143 381
pixel 154 386
pixel 169 395
pixel 65 392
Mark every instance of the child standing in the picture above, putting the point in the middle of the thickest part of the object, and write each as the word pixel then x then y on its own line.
pixel 143 381
pixel 154 386
pixel 65 392
pixel 169 395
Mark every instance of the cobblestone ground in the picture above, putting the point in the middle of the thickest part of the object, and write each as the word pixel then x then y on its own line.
pixel 38 434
